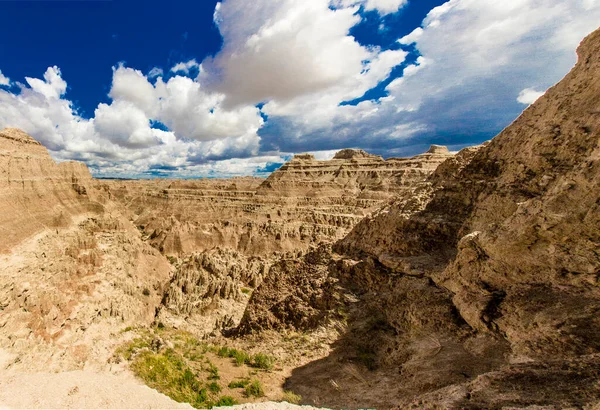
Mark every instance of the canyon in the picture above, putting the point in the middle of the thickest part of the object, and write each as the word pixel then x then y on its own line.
pixel 445 280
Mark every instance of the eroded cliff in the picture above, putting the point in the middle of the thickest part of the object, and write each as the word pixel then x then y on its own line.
pixel 479 289
pixel 303 203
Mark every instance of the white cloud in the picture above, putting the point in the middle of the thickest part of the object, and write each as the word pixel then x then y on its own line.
pixel 126 125
pixel 155 72
pixel 382 6
pixel 285 49
pixel 185 67
pixel 528 96
pixel 120 139
pixel 4 80
pixel 53 86
pixel 413 37
pixel 299 59
pixel 385 6
pixel 476 56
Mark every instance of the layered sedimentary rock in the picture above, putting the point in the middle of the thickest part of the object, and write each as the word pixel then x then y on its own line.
pixel 478 290
pixel 35 192
pixel 72 270
pixel 302 204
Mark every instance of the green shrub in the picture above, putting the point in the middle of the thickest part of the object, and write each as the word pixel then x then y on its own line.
pixel 241 357
pixel 254 389
pixel 213 372
pixel 214 387
pixel 129 349
pixel 239 384
pixel 291 397
pixel 225 352
pixel 225 401
pixel 263 361
pixel 168 374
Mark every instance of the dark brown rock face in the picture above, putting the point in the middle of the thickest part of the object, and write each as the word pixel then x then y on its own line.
pixel 479 287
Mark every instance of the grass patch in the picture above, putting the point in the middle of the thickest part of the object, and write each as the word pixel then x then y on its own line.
pixel 259 360
pixel 239 384
pixel 214 387
pixel 246 291
pixel 241 358
pixel 226 401
pixel 254 389
pixel 177 364
pixel 213 371
pixel 127 351
pixel 263 361
pixel 169 374
pixel 291 397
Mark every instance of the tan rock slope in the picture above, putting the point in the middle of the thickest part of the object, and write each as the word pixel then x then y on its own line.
pixel 35 192
pixel 73 269
pixel 480 289
pixel 298 206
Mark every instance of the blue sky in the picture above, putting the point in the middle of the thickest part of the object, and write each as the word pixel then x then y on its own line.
pixel 191 89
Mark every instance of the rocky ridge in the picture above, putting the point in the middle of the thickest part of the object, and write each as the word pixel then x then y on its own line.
pixel 478 290
pixel 35 192
pixel 303 203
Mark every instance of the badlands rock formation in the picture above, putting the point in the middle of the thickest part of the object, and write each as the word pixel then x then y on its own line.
pixel 76 271
pixel 438 281
pixel 73 269
pixel 35 192
pixel 303 203
pixel 479 290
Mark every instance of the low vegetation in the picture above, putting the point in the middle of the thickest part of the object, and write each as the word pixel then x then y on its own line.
pixel 254 389
pixel 259 360
pixel 291 397
pixel 179 365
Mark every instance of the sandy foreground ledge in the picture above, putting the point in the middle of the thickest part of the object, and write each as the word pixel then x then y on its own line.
pixel 79 390
pixel 91 390
pixel 88 390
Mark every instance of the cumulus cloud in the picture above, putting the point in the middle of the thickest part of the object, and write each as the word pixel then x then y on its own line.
pixel 156 72
pixel 185 67
pixel 298 62
pixel 382 6
pixel 475 57
pixel 283 50
pixel 52 86
pixel 4 80
pixel 528 96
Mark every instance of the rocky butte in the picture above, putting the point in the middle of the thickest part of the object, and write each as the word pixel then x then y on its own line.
pixel 439 281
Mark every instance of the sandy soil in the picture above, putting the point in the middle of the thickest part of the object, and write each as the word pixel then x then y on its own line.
pixel 79 390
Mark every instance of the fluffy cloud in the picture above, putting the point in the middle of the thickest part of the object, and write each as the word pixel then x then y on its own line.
pixel 121 140
pixel 4 80
pixel 382 6
pixel 156 72
pixel 475 58
pixel 185 67
pixel 53 86
pixel 286 49
pixel 298 62
pixel 528 96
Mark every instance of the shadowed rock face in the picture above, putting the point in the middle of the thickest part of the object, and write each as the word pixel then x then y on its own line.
pixel 478 289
